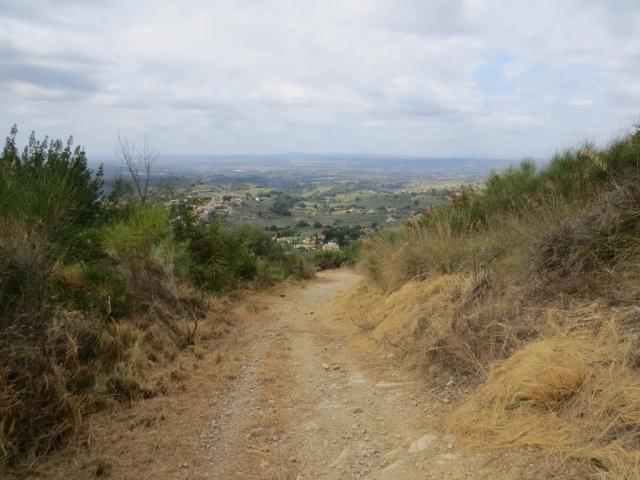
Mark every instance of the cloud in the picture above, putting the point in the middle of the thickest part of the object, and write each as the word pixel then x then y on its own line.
pixel 430 77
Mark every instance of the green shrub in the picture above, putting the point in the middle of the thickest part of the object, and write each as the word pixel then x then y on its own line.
pixel 296 266
pixel 94 287
pixel 136 235
pixel 49 185
pixel 224 257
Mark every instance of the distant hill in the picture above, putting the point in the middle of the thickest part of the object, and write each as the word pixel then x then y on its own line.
pixel 241 164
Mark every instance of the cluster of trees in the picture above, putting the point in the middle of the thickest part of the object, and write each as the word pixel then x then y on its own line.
pixel 282 205
pixel 343 235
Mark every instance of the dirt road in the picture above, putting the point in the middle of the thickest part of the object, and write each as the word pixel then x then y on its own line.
pixel 308 406
pixel 295 396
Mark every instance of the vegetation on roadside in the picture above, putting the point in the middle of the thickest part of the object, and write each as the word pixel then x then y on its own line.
pixel 528 284
pixel 97 289
pixel 326 259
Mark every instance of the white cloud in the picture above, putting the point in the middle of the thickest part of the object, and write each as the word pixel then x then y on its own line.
pixel 580 102
pixel 448 77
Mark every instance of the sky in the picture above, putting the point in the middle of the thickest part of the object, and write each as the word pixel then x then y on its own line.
pixel 450 78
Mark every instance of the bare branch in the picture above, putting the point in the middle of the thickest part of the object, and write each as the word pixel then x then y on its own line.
pixel 138 164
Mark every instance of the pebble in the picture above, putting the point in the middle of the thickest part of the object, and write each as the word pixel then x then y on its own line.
pixel 422 443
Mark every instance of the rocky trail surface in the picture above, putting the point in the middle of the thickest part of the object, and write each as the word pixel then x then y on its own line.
pixel 296 396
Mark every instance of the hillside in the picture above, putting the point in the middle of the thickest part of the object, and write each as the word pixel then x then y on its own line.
pixel 528 292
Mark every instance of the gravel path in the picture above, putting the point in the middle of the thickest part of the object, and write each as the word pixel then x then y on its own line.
pixel 306 407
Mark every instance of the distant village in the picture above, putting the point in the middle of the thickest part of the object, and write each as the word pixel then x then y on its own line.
pixel 303 233
pixel 222 207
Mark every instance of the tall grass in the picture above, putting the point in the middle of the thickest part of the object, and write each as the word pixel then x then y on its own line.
pixel 529 284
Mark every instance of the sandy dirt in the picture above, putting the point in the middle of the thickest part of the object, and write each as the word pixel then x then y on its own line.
pixel 294 393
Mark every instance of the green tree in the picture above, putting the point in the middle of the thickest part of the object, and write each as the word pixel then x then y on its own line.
pixel 49 184
pixel 281 206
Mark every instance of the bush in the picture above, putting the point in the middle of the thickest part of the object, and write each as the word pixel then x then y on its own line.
pixel 135 235
pixel 223 258
pixel 48 185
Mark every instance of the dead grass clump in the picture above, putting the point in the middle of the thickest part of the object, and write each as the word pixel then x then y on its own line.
pixel 458 322
pixel 37 412
pixel 73 339
pixel 117 342
pixel 575 395
pixel 541 374
pixel 604 232
pixel 158 345
pixel 126 384
pixel 25 265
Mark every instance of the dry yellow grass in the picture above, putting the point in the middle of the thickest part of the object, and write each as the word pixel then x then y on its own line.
pixel 575 395
pixel 459 321
pixel 398 315
pixel 560 377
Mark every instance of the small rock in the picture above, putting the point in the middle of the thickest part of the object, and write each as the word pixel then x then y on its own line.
pixel 446 458
pixel 450 445
pixel 445 400
pixel 184 465
pixel 336 367
pixel 264 464
pixel 422 443
pixel 325 366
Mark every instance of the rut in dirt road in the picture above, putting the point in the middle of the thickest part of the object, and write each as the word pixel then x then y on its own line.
pixel 309 405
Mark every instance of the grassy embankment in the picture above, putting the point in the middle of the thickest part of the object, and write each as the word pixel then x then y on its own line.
pixel 531 288
pixel 97 291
